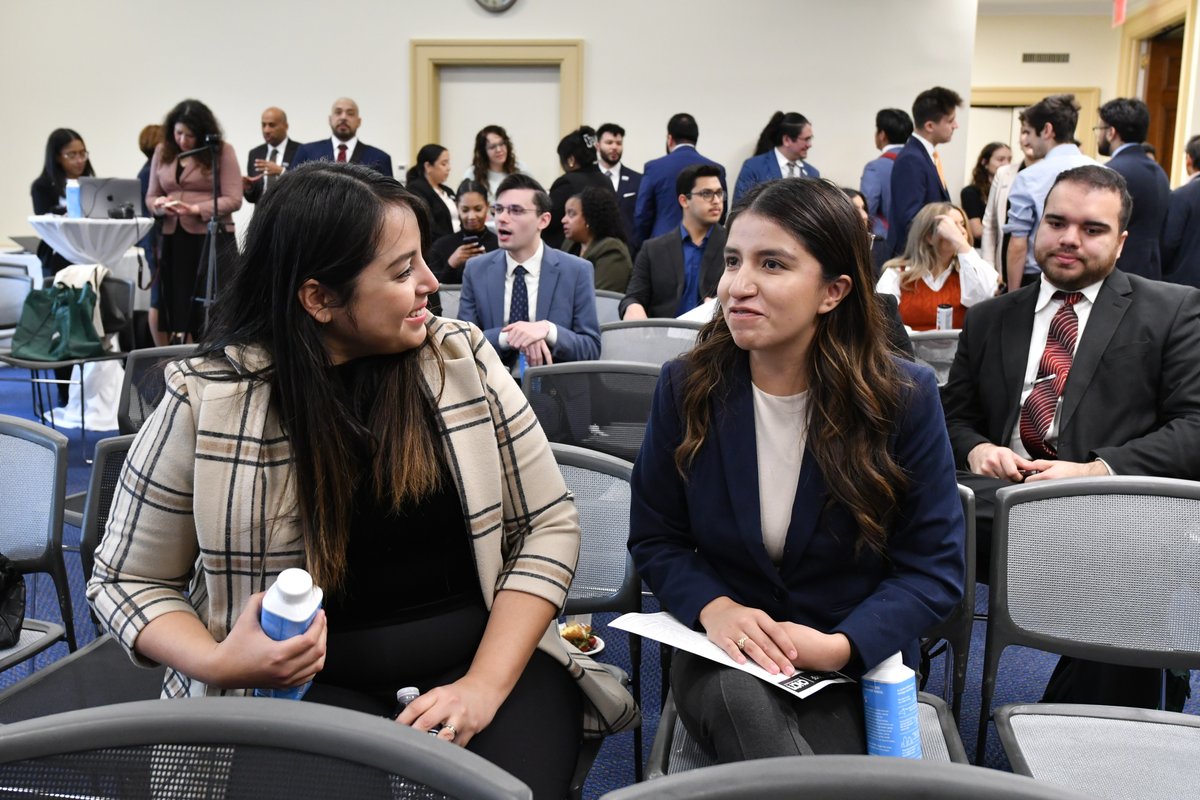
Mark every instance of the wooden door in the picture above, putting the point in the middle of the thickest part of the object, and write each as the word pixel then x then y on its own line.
pixel 1162 93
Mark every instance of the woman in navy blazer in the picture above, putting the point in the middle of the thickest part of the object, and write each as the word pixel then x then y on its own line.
pixel 792 389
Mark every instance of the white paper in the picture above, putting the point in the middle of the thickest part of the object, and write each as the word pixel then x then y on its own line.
pixel 662 627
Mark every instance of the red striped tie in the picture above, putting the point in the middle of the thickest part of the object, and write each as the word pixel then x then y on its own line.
pixel 1053 369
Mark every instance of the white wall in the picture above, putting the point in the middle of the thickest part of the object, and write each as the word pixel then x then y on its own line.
pixel 106 69
pixel 1091 41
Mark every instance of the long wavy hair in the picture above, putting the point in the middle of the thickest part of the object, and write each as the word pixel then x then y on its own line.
pixel 920 256
pixel 981 179
pixel 480 160
pixel 854 385
pixel 200 121
pixel 323 221
pixel 52 171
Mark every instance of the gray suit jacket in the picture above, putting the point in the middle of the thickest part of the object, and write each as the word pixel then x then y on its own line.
pixel 657 279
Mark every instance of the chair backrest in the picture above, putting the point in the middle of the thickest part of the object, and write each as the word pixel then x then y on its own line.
pixel 240 747
pixel 1098 568
pixel 14 288
pixel 102 486
pixel 450 295
pixel 842 778
pixel 605 579
pixel 936 349
pixel 652 341
pixel 144 384
pixel 597 405
pixel 957 627
pixel 608 305
pixel 33 484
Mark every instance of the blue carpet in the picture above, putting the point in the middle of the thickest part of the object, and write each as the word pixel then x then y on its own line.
pixel 1023 672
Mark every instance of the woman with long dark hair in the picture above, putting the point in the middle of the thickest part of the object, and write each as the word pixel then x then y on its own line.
pixel 577 157
pixel 974 196
pixel 795 494
pixel 592 222
pixel 493 159
pixel 66 158
pixel 427 179
pixel 181 194
pixel 331 422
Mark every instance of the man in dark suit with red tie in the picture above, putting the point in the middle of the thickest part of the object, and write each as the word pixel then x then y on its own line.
pixel 917 178
pixel 1088 371
pixel 344 145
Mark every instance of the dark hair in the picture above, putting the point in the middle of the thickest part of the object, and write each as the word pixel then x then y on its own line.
pixel 150 137
pixel 686 180
pixel 429 154
pixel 579 144
pixel 1100 179
pixel 790 125
pixel 200 120
pixel 683 129
pixel 323 222
pixel 895 123
pixel 610 127
pixel 1149 149
pixel 471 187
pixel 854 385
pixel 52 171
pixel 480 159
pixel 1192 150
pixel 853 193
pixel 933 104
pixel 1060 110
pixel 1128 116
pixel 600 212
pixel 981 179
pixel 519 180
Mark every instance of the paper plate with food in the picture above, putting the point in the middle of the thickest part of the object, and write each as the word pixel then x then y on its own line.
pixel 582 637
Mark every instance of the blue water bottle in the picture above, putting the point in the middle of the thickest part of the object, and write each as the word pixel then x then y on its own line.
pixel 890 703
pixel 74 204
pixel 288 608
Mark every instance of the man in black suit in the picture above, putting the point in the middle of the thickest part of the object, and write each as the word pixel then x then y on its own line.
pixel 677 271
pixel 1181 233
pixel 1088 371
pixel 268 161
pixel 610 147
pixel 1122 129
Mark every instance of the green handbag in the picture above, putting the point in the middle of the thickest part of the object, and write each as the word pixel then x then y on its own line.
pixel 56 325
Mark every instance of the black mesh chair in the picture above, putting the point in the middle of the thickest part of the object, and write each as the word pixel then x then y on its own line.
pixel 608 305
pixel 597 405
pixel 649 341
pixel 956 629
pixel 1101 569
pixel 239 747
pixel 33 480
pixel 145 384
pixel 842 778
pixel 605 579
pixel 936 349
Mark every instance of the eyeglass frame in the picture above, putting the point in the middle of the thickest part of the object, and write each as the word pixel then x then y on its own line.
pixel 76 156
pixel 513 210
pixel 713 194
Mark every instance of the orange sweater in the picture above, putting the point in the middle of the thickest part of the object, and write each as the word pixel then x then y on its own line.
pixel 918 303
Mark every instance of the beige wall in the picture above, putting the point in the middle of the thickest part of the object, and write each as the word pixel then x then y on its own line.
pixel 106 69
pixel 1091 41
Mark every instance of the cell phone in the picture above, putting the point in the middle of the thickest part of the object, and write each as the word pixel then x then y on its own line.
pixel 472 239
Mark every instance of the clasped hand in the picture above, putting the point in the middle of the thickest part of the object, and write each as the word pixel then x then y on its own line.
pixel 995 461
pixel 775 646
pixel 530 339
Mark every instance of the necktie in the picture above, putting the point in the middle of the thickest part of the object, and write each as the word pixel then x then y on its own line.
pixel 937 162
pixel 271 156
pixel 608 174
pixel 518 308
pixel 791 169
pixel 1055 365
pixel 341 154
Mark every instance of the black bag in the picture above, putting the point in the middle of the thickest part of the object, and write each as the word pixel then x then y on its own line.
pixel 12 603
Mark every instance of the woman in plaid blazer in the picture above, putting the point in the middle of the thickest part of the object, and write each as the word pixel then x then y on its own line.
pixel 331 423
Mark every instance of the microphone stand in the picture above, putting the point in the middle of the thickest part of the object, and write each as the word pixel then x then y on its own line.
pixel 212 144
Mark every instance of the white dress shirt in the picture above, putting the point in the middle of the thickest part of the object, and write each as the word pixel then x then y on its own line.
pixel 613 173
pixel 533 271
pixel 977 279
pixel 783 164
pixel 350 143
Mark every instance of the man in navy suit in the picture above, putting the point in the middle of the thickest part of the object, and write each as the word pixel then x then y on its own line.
pixel 551 315
pixel 893 126
pixel 782 148
pixel 1181 234
pixel 268 161
pixel 917 178
pixel 1122 129
pixel 658 208
pixel 610 147
pixel 344 145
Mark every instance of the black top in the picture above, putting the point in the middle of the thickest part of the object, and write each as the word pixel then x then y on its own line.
pixel 403 566
pixel 439 254
pixel 567 186
pixel 440 217
pixel 48 201
pixel 973 202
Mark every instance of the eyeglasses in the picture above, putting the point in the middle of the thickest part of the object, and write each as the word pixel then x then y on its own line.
pixel 708 195
pixel 83 156
pixel 515 211
pixel 494 146
pixel 1098 128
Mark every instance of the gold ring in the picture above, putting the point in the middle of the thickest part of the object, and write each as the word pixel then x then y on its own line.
pixel 453 730
pixel 741 643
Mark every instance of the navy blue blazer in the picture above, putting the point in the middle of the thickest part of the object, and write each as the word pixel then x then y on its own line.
pixel 1151 193
pixel 696 540
pixel 762 168
pixel 322 150
pixel 566 297
pixel 658 208
pixel 1181 235
pixel 915 184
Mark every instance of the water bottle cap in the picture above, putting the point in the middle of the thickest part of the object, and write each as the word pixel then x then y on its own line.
pixel 410 692
pixel 294 583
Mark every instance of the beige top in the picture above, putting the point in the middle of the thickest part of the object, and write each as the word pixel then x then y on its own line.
pixel 780 433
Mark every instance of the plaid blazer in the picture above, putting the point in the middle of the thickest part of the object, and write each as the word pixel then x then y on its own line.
pixel 205 513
